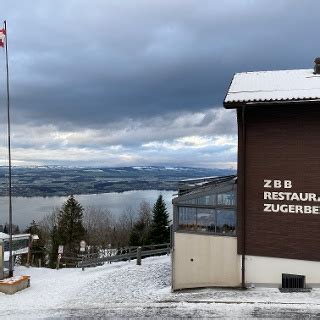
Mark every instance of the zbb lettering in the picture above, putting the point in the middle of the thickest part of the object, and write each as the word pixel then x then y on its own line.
pixel 287 184
pixel 267 183
pixel 277 184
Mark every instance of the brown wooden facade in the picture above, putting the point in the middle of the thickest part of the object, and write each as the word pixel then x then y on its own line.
pixel 278 141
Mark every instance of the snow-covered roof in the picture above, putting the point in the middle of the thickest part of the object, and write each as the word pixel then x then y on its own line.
pixel 273 86
pixel 4 236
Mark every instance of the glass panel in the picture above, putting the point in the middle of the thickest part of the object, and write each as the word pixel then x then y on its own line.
pixel 187 218
pixel 226 221
pixel 207 200
pixel 227 198
pixel 191 201
pixel 206 220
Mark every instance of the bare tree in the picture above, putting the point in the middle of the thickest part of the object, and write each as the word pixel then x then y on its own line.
pixel 123 227
pixel 99 224
pixel 145 212
pixel 47 223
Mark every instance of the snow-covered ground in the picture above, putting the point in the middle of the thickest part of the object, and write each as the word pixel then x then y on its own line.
pixel 125 290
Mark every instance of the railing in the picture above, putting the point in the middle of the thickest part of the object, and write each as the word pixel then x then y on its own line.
pixel 124 253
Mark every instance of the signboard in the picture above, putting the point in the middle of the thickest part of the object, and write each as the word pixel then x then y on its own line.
pixel 288 201
pixel 60 249
pixel 82 246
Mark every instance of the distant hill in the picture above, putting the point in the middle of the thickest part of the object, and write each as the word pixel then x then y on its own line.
pixel 61 181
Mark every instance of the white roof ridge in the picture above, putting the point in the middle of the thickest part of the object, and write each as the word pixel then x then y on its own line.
pixel 269 71
pixel 278 85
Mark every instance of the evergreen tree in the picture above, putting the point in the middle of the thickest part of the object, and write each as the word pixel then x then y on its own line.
pixel 16 230
pixel 137 235
pixel 160 231
pixel 70 225
pixel 33 229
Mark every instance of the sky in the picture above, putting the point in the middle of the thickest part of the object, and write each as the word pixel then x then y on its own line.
pixel 140 82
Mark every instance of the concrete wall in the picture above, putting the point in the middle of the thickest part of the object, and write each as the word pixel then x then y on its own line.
pixel 267 271
pixel 204 261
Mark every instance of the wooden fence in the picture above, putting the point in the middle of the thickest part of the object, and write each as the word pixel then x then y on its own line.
pixel 124 253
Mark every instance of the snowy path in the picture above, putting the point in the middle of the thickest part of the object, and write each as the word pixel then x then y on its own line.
pixel 125 290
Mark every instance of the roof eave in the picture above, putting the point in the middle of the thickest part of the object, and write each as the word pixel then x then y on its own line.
pixel 239 104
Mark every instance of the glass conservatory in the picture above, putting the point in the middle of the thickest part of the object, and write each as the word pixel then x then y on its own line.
pixel 206 206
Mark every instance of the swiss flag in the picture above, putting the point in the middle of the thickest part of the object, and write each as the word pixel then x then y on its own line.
pixel 2 37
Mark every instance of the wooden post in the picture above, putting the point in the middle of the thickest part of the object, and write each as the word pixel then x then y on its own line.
pixel 129 254
pixel 58 261
pixel 82 259
pixel 28 257
pixel 139 256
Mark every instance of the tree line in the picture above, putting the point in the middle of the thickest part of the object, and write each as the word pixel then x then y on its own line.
pixel 100 229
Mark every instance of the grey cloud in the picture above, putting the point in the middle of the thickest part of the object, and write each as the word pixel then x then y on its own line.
pixel 90 76
pixel 130 133
pixel 94 63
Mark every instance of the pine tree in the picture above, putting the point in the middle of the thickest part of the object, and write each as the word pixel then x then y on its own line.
pixel 160 231
pixel 16 230
pixel 5 229
pixel 137 231
pixel 70 225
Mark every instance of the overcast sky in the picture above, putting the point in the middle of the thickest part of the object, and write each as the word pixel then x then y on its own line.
pixel 117 83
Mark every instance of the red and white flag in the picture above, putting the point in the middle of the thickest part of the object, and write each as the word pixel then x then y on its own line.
pixel 2 37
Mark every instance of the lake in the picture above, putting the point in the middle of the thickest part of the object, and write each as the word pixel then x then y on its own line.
pixel 25 209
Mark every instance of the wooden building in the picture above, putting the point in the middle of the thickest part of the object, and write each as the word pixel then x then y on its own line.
pixel 278 190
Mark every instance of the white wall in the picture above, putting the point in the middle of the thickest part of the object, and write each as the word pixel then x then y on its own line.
pixel 215 261
pixel 267 271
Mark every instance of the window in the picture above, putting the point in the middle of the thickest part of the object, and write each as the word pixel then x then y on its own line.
pixel 219 221
pixel 224 199
pixel 191 201
pixel 227 198
pixel 209 211
pixel 187 218
pixel 207 200
pixel 226 221
pixel 206 220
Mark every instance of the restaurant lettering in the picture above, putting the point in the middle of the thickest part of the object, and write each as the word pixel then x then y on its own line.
pixel 288 196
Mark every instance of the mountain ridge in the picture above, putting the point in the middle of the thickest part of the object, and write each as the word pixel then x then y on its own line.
pixel 60 181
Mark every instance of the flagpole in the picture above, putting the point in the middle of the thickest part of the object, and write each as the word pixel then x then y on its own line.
pixel 9 154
